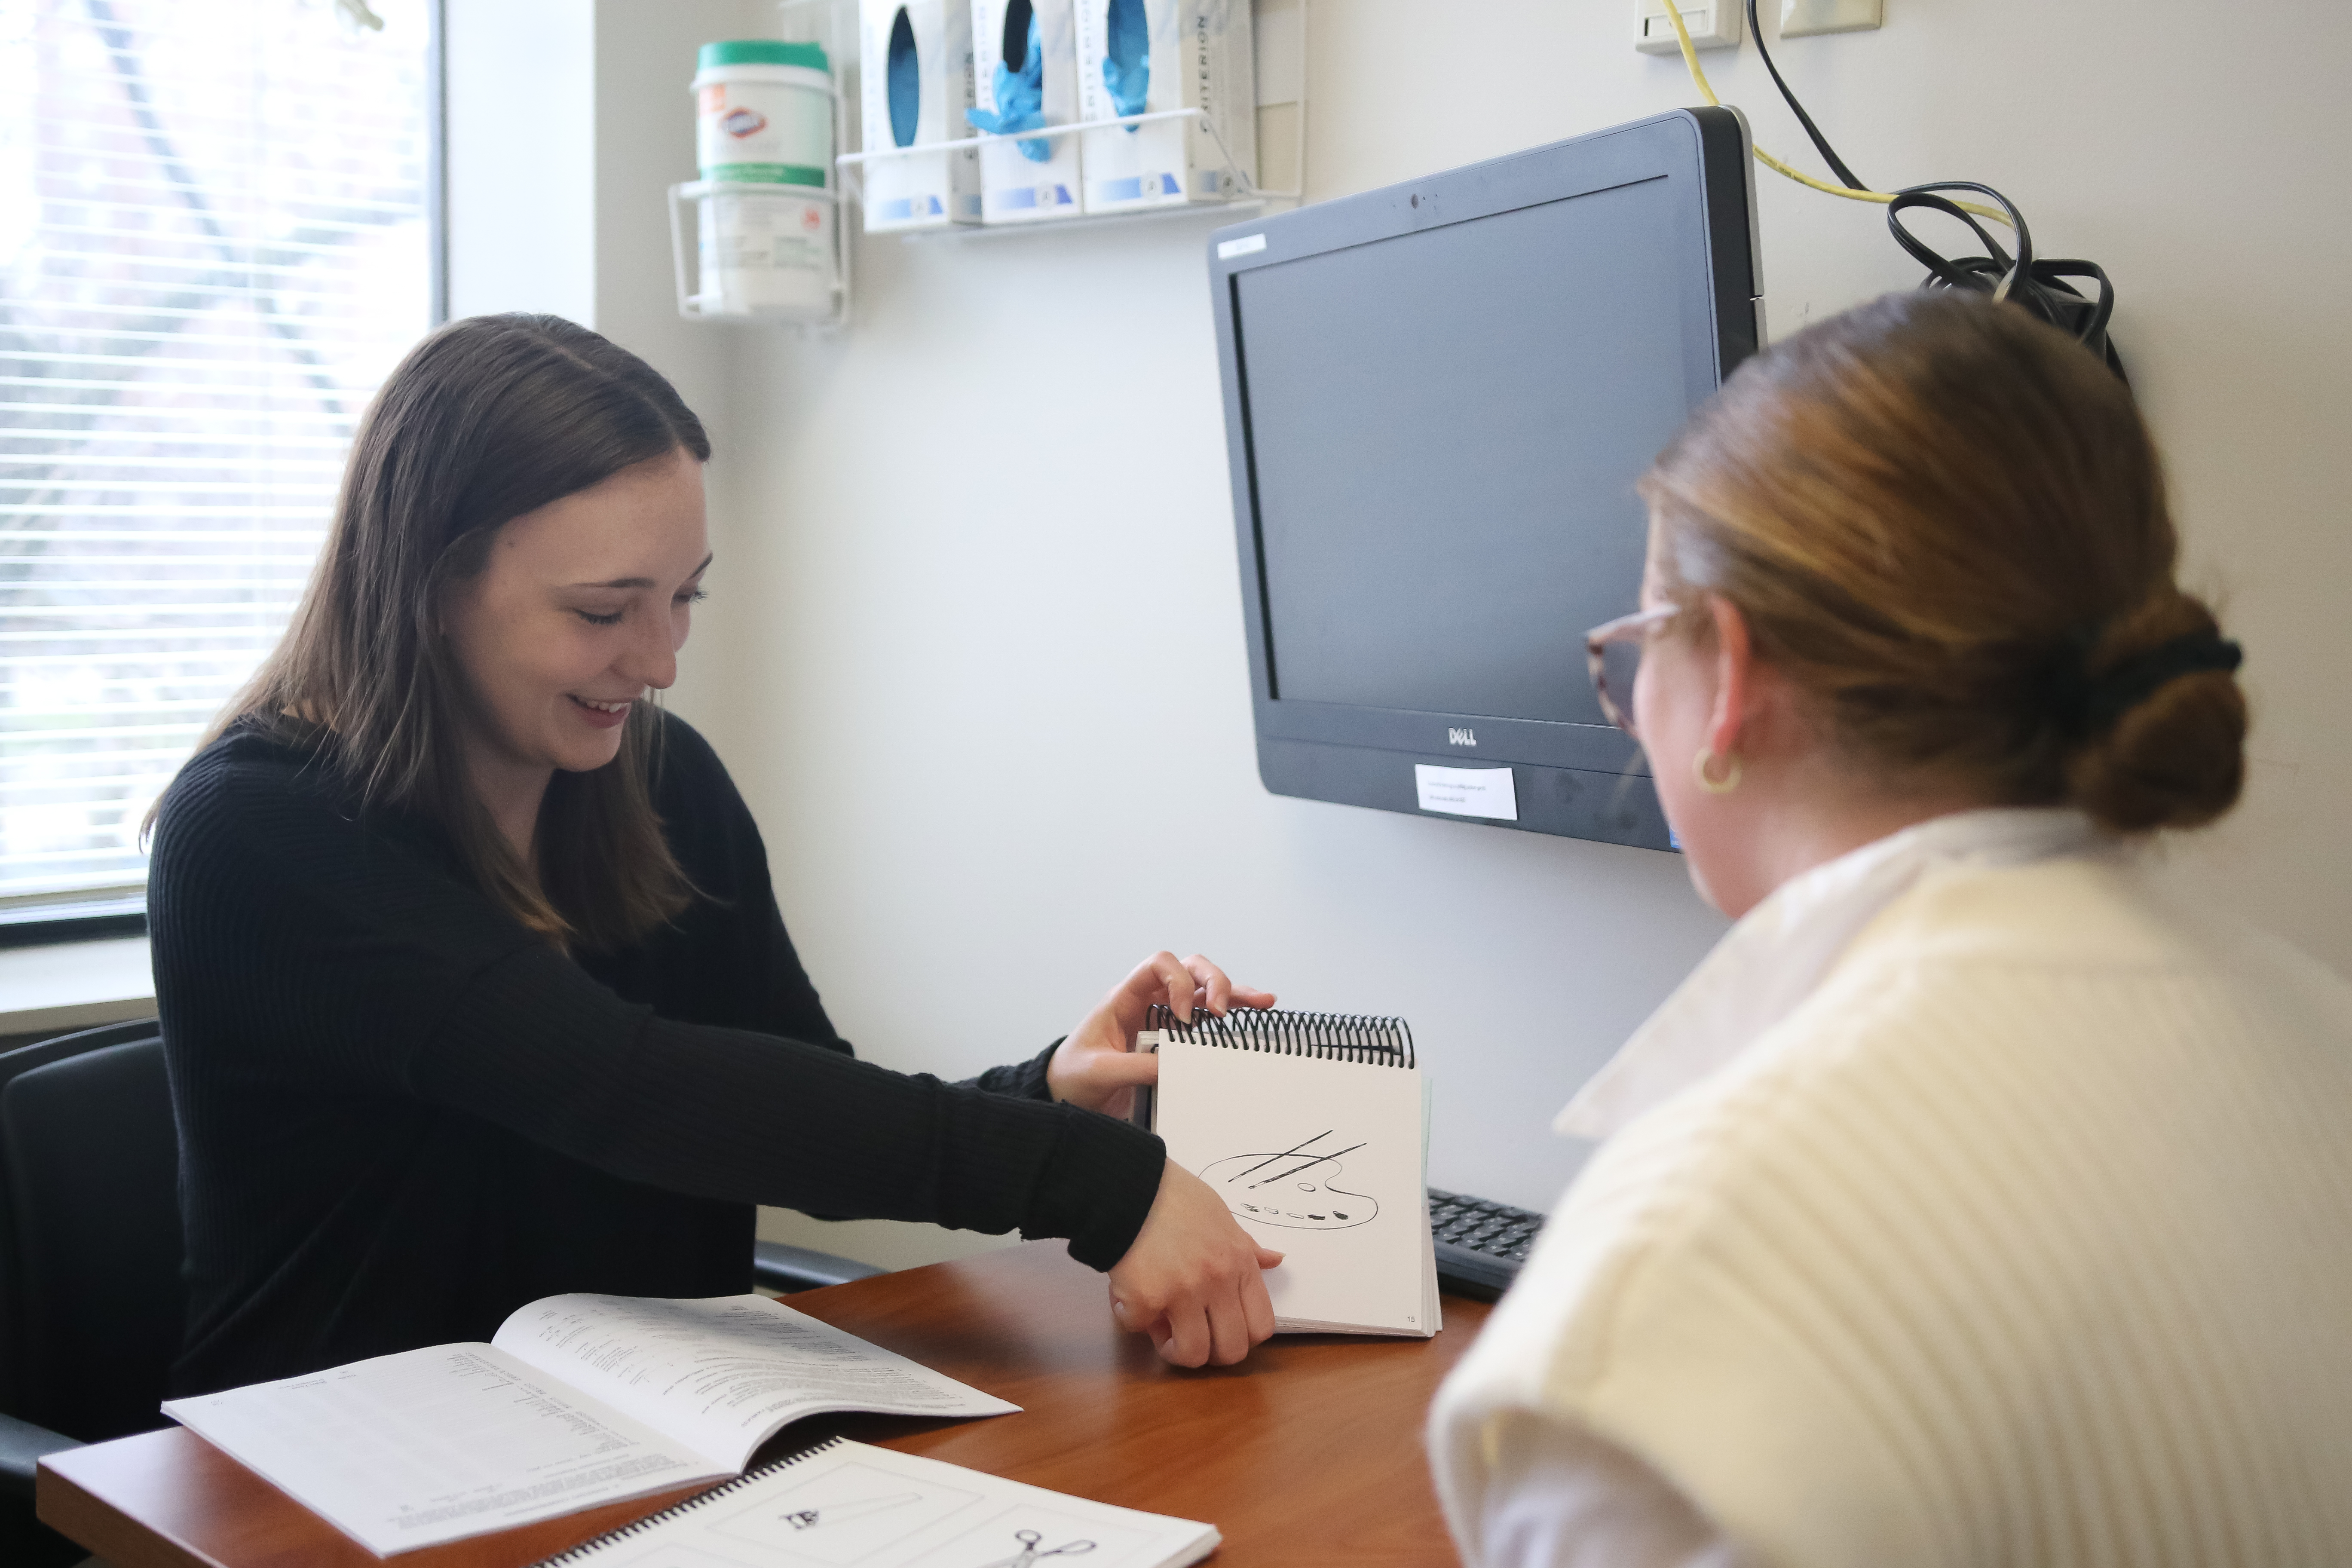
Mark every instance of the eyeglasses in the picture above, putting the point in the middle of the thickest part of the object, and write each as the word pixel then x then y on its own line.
pixel 1613 653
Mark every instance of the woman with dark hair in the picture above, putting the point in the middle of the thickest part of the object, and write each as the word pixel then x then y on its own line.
pixel 1974 1203
pixel 473 984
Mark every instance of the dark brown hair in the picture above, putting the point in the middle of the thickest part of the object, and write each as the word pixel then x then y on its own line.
pixel 1947 522
pixel 486 419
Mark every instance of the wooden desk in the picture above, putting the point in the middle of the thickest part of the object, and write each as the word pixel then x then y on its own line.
pixel 1307 1453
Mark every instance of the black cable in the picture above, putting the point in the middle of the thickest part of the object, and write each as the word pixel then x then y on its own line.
pixel 2037 284
pixel 1836 163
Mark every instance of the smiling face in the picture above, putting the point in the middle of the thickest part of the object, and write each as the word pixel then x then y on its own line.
pixel 579 608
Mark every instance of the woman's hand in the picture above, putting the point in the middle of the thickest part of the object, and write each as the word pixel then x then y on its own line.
pixel 1097 1065
pixel 1191 1279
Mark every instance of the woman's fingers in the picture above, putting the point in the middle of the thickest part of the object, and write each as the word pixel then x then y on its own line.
pixel 1152 1326
pixel 1219 992
pixel 1216 990
pixel 1106 1081
pixel 1183 984
pixel 1246 1317
pixel 1220 1332
pixel 1109 1033
pixel 1172 981
pixel 1257 1307
pixel 1188 1341
pixel 1122 1070
pixel 1193 1266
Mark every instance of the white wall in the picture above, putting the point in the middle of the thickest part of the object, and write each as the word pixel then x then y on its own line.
pixel 520 118
pixel 567 120
pixel 974 650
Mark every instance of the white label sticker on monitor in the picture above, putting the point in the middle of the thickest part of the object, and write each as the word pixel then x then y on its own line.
pixel 1247 244
pixel 1467 792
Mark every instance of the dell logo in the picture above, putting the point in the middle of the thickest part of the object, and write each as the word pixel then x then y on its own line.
pixel 1461 737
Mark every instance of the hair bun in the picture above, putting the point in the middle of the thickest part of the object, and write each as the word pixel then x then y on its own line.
pixel 2169 749
pixel 1918 505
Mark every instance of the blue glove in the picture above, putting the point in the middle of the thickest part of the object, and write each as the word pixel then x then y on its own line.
pixel 1020 101
pixel 1127 62
pixel 904 82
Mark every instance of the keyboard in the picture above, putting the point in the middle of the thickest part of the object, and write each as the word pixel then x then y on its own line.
pixel 1480 1243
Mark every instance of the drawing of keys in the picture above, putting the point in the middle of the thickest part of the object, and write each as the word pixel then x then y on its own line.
pixel 1029 1552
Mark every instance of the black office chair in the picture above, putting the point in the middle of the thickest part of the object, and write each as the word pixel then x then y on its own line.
pixel 90 1255
pixel 784 1269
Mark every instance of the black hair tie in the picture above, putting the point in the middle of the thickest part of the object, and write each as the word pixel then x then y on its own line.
pixel 2087 705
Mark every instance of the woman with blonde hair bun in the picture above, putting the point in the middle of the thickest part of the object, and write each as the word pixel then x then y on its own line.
pixel 1973 1201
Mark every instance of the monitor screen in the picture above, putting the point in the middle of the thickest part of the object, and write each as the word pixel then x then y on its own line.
pixel 1444 484
pixel 1439 396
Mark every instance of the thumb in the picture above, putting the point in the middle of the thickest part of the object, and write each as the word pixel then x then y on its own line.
pixel 1124 1068
pixel 1268 1259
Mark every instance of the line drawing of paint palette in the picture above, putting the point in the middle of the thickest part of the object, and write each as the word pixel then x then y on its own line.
pixel 1297 1188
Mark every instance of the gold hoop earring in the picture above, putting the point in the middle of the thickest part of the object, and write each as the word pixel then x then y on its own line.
pixel 1730 780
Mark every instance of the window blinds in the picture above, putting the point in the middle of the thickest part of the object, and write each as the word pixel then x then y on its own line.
pixel 213 244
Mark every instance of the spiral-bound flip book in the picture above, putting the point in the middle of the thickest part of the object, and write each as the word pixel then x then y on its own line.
pixel 844 1503
pixel 1314 1128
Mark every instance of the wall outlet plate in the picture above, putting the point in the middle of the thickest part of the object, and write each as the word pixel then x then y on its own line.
pixel 1802 19
pixel 1713 24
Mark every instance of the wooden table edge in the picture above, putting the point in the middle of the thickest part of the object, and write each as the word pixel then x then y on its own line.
pixel 127 1534
pixel 88 1520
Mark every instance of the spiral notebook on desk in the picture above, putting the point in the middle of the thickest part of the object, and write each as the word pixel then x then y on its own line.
pixel 843 1503
pixel 1314 1128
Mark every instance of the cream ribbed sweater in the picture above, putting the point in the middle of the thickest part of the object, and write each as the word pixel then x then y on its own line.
pixel 2025 1237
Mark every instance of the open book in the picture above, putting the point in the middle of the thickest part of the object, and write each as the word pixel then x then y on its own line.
pixel 1314 1128
pixel 577 1400
pixel 845 1502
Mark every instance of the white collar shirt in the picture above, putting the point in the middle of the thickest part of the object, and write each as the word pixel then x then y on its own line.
pixel 1783 948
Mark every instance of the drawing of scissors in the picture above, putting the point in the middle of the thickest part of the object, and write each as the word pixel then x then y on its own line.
pixel 1029 1552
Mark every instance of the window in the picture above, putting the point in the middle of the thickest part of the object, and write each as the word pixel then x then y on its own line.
pixel 216 238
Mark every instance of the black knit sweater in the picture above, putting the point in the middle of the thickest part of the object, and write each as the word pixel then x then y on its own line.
pixel 402 1115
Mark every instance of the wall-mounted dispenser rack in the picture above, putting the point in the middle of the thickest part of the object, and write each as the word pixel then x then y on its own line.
pixel 684 261
pixel 830 24
pixel 1279 35
pixel 1253 198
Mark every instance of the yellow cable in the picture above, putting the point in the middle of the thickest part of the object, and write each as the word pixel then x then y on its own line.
pixel 1690 58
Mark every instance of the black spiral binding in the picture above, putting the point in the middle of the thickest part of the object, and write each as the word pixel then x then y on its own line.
pixel 1329 1036
pixel 588 1549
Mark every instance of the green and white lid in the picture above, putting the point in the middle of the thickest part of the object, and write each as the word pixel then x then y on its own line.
pixel 762 52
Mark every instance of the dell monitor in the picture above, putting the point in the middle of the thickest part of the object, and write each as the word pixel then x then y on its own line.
pixel 1438 398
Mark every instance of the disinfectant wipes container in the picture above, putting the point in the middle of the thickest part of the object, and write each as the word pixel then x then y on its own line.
pixel 918 94
pixel 1140 56
pixel 767 251
pixel 763 138
pixel 1024 70
pixel 763 113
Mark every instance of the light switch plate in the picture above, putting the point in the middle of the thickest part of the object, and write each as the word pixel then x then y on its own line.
pixel 1803 18
pixel 1713 24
